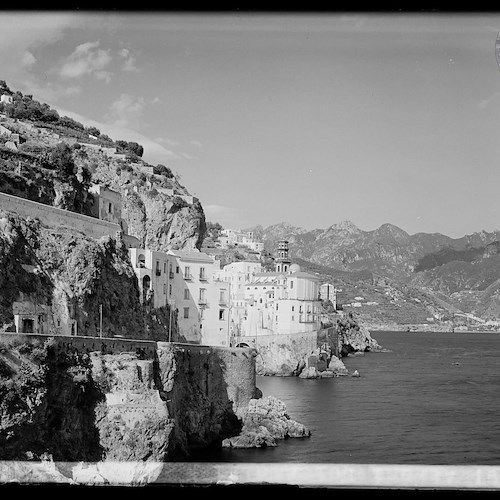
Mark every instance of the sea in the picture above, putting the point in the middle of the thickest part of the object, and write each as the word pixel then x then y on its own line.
pixel 433 399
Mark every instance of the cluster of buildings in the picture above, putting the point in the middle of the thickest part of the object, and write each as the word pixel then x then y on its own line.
pixel 215 306
pixel 232 237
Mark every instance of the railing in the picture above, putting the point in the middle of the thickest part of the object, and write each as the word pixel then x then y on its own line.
pixel 309 318
pixel 203 277
pixel 203 302
pixel 188 277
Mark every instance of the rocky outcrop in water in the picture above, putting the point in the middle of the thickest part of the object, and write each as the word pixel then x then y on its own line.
pixel 264 423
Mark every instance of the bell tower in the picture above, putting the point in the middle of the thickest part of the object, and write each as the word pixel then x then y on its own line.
pixel 282 261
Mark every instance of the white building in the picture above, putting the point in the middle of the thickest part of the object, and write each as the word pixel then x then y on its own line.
pixel 240 238
pixel 329 292
pixel 203 301
pixel 107 204
pixel 151 269
pixel 6 99
pixel 285 301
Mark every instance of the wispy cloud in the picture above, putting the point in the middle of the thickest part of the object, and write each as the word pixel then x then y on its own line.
pixel 128 61
pixel 483 103
pixel 228 217
pixel 28 59
pixel 196 143
pixel 88 59
pixel 126 110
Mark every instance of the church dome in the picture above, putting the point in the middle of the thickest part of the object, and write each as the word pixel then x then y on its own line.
pixel 294 268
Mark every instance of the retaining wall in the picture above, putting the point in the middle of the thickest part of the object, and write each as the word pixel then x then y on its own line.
pixel 57 217
pixel 220 372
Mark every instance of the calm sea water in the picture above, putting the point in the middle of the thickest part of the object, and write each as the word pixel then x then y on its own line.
pixel 434 399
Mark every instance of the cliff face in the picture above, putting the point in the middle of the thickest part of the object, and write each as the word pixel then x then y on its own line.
pixel 68 277
pixel 69 405
pixel 155 208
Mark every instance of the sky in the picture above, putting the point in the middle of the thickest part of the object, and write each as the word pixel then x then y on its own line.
pixel 310 119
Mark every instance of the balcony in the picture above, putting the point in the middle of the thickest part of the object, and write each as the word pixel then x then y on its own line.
pixel 203 278
pixel 188 277
pixel 223 302
pixel 202 302
pixel 158 272
pixel 307 318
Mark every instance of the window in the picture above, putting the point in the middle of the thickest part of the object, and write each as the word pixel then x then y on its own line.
pixel 222 314
pixel 276 306
pixel 203 298
pixel 186 294
pixel 293 308
pixel 293 317
pixel 222 296
pixel 165 267
pixel 170 289
pixel 202 273
pixel 186 312
pixel 291 284
pixel 110 208
pixel 177 269
pixel 158 269
pixel 164 289
pixel 187 272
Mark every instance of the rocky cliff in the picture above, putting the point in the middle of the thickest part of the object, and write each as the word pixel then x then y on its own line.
pixel 64 402
pixel 67 278
pixel 55 165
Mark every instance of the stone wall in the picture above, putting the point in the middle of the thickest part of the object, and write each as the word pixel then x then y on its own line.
pixel 202 365
pixel 55 217
pixel 88 344
pixel 282 354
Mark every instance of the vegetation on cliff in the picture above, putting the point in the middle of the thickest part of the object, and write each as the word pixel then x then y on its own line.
pixel 160 212
pixel 47 402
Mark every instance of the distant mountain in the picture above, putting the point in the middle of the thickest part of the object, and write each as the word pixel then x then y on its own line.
pixel 437 275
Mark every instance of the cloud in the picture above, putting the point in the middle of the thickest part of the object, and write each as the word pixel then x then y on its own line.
pixel 228 217
pixel 87 59
pixel 196 143
pixel 168 142
pixel 28 59
pixel 129 61
pixel 126 110
pixel 21 35
pixel 483 103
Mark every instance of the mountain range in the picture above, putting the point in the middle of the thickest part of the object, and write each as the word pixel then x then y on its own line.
pixel 402 279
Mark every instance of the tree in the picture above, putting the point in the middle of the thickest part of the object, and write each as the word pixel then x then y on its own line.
pixel 163 170
pixel 61 158
pixel 93 131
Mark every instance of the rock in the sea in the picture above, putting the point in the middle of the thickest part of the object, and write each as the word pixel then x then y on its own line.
pixel 265 421
pixel 310 372
pixel 355 373
pixel 337 367
pixel 327 374
pixel 259 437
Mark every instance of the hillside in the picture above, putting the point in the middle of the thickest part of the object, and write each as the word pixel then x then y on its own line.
pixel 54 160
pixel 63 273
